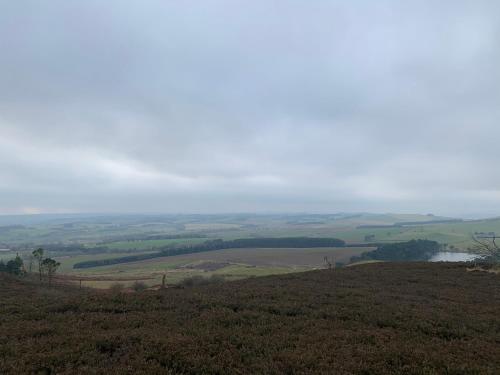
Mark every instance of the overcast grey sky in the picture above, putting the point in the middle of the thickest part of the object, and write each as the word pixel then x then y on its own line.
pixel 250 106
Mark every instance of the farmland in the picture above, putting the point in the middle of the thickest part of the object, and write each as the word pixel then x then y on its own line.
pixel 232 264
pixel 384 318
pixel 150 244
pixel 73 239
pixel 137 233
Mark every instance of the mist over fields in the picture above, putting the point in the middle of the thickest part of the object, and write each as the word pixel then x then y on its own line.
pixel 223 106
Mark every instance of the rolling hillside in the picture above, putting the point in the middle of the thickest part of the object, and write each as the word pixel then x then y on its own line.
pixel 416 318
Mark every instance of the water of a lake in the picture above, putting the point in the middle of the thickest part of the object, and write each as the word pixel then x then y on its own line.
pixel 447 256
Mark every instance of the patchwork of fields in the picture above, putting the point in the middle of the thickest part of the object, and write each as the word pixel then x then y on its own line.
pixel 233 264
pixel 80 238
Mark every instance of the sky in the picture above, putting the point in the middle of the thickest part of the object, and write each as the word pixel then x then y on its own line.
pixel 250 106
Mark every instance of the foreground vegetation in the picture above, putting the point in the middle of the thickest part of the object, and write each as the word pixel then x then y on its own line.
pixel 385 318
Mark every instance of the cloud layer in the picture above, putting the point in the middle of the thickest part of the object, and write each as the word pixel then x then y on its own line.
pixel 167 106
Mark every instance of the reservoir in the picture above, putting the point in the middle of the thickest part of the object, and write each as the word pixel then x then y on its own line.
pixel 447 256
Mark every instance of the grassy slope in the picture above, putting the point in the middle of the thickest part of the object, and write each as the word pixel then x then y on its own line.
pixel 457 234
pixel 371 319
pixel 245 263
pixel 151 244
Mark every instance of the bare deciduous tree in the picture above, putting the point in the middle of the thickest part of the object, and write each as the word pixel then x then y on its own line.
pixel 487 244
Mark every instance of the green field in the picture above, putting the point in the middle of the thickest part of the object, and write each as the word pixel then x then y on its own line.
pixel 151 244
pixel 457 234
pixel 131 232
pixel 90 230
pixel 85 237
pixel 230 263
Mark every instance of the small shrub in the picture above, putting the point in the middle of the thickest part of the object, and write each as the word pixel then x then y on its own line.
pixel 216 279
pixel 200 280
pixel 192 281
pixel 139 286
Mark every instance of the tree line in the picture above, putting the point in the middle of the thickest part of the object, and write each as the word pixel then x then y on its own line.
pixel 211 245
pixel 46 266
pixel 414 250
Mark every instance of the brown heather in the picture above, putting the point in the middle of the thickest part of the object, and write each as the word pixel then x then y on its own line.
pixel 411 318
